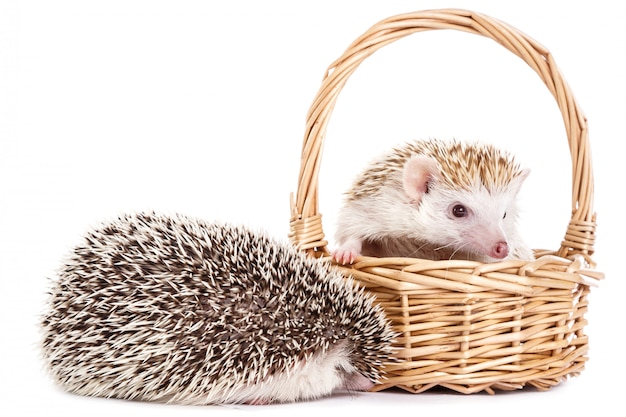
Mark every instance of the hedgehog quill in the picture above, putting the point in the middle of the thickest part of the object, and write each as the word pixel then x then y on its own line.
pixel 175 309
pixel 434 200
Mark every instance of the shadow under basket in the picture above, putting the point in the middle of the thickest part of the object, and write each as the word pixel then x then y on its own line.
pixel 464 325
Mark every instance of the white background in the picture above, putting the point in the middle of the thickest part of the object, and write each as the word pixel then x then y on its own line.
pixel 199 108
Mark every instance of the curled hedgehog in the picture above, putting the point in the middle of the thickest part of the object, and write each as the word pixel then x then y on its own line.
pixel 180 310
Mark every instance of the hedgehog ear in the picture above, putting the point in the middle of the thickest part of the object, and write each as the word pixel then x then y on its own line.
pixel 418 172
pixel 517 182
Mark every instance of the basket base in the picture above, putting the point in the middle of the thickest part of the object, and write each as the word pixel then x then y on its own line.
pixel 542 380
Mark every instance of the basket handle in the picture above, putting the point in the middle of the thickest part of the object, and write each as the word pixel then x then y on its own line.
pixel 306 225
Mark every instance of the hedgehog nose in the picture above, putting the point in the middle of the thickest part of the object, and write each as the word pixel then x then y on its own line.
pixel 500 250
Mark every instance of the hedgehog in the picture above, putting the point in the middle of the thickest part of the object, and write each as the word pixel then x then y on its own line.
pixel 437 200
pixel 180 310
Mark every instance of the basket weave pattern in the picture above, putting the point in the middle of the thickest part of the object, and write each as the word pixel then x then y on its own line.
pixel 466 325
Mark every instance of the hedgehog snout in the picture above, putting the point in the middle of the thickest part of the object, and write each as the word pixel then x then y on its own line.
pixel 357 382
pixel 351 378
pixel 500 250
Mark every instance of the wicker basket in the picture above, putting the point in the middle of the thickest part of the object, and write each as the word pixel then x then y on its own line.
pixel 465 325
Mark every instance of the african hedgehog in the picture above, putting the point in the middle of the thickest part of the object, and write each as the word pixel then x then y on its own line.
pixel 436 200
pixel 173 309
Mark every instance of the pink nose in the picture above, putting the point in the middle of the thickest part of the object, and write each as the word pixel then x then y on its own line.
pixel 500 250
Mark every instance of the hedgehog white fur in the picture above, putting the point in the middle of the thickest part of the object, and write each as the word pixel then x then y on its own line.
pixel 175 309
pixel 435 199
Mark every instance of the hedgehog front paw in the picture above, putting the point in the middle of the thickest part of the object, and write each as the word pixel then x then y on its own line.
pixel 346 256
pixel 348 252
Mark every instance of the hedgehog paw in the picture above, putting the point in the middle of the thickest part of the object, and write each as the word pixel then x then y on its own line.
pixel 347 253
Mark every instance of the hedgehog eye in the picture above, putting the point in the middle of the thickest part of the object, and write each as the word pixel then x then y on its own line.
pixel 459 211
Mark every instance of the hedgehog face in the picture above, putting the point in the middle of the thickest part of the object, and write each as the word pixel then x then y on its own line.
pixel 470 219
pixel 474 221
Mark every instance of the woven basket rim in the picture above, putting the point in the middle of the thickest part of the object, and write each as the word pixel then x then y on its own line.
pixel 306 230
